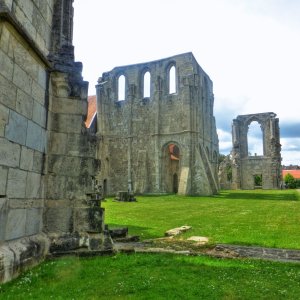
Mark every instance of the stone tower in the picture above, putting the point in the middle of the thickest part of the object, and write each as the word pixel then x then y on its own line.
pixel 245 166
pixel 156 128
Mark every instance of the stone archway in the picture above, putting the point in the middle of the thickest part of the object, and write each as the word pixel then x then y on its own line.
pixel 170 168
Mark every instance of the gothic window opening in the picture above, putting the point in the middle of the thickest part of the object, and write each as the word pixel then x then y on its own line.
pixel 172 80
pixel 255 140
pixel 121 88
pixel 147 85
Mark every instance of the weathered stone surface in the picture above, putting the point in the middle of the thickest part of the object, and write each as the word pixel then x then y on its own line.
pixel 7 93
pixel 17 256
pixel 33 185
pixel 139 133
pixel 178 230
pixel 34 222
pixel 4 114
pixel 35 137
pixel 3 180
pixel 15 226
pixel 246 166
pixel 16 186
pixel 39 114
pixel 202 240
pixel 16 128
pixel 24 104
pixel 26 162
pixel 3 218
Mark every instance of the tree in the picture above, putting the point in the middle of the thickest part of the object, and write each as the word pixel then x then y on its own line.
pixel 290 181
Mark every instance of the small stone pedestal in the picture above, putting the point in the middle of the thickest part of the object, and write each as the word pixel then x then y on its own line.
pixel 95 217
pixel 125 196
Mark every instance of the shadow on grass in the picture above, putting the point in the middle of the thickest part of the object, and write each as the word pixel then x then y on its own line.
pixel 279 196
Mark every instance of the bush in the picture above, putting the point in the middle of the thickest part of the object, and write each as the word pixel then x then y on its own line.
pixel 290 181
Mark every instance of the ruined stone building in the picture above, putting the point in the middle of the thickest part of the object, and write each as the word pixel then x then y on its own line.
pixel 156 128
pixel 155 133
pixel 247 167
pixel 47 158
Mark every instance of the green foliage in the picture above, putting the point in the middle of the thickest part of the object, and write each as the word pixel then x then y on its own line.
pixel 258 180
pixel 156 276
pixel 290 181
pixel 259 217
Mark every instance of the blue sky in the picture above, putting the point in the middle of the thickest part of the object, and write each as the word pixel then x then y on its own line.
pixel 249 48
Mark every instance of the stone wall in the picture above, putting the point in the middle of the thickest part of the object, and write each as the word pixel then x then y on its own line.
pixel 47 157
pixel 136 131
pixel 246 166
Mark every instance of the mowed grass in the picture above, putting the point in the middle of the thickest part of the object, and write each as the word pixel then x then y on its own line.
pixel 269 218
pixel 266 218
pixel 156 276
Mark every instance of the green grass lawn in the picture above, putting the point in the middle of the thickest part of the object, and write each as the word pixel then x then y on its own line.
pixel 153 276
pixel 267 218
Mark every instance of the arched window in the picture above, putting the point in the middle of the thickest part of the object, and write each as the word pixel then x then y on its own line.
pixel 147 85
pixel 172 80
pixel 121 88
pixel 255 139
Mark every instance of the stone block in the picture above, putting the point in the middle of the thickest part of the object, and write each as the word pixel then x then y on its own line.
pixel 58 143
pixel 33 185
pixel 35 137
pixel 26 162
pixel 4 40
pixel 34 221
pixel 38 161
pixel 15 131
pixel 16 185
pixel 39 114
pixel 15 226
pixel 59 219
pixel 8 93
pixel 9 153
pixel 6 66
pixel 67 123
pixel 24 104
pixel 3 180
pixel 56 187
pixel 3 217
pixel 38 93
pixel 42 77
pixel 21 79
pixel 4 115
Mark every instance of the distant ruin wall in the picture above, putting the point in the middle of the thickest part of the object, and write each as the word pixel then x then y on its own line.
pixel 245 166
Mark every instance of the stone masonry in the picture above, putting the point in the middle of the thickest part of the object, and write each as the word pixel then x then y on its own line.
pixel 246 166
pixel 162 140
pixel 47 157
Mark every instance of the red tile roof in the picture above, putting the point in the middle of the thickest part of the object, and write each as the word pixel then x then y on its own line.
pixel 295 173
pixel 92 110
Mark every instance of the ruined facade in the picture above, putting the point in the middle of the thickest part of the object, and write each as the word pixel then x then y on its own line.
pixel 156 128
pixel 47 158
pixel 251 171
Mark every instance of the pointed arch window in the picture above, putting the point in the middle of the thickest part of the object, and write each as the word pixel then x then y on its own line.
pixel 255 139
pixel 172 80
pixel 147 85
pixel 121 88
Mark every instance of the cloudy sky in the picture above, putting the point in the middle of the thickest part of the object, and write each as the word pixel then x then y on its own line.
pixel 249 48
